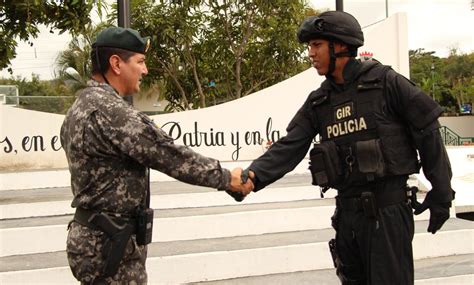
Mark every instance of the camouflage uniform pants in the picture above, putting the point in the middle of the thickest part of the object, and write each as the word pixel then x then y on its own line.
pixel 84 253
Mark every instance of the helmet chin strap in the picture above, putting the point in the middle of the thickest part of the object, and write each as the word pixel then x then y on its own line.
pixel 333 56
pixel 332 59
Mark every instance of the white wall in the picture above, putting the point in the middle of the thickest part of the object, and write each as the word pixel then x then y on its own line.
pixel 461 125
pixel 232 129
pixel 29 139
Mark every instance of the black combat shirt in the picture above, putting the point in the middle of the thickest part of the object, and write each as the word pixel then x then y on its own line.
pixel 404 101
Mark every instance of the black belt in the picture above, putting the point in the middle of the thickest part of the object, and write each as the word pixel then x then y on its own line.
pixel 83 217
pixel 383 200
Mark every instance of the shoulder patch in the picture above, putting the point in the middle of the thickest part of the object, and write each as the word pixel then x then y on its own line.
pixel 374 74
pixel 318 97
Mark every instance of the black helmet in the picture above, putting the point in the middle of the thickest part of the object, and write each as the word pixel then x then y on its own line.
pixel 332 25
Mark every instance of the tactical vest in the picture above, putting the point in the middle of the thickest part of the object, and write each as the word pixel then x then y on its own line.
pixel 360 140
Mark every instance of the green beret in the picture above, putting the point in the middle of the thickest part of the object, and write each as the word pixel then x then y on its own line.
pixel 123 38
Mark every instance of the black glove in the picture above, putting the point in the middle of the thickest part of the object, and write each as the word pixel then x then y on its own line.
pixel 246 176
pixel 439 213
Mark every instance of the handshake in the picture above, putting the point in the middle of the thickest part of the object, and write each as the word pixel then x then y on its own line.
pixel 241 183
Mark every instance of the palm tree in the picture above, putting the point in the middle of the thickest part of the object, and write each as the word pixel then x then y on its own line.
pixel 73 64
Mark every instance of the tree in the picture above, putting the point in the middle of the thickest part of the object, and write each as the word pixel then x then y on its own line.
pixel 77 56
pixel 46 96
pixel 449 80
pixel 173 27
pixel 256 37
pixel 459 73
pixel 20 19
pixel 212 51
pixel 422 70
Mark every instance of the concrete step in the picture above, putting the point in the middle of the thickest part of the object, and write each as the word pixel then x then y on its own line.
pixel 50 233
pixel 22 203
pixel 49 178
pixel 237 256
pixel 182 212
pixel 179 224
pixel 279 230
pixel 455 270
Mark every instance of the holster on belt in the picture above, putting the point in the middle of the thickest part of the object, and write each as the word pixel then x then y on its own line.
pixel 340 268
pixel 334 254
pixel 118 237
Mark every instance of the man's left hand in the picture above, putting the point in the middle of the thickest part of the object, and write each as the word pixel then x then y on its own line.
pixel 439 213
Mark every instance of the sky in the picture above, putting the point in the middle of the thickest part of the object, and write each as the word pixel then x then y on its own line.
pixel 435 25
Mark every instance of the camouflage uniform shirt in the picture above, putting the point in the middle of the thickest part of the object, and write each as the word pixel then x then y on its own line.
pixel 109 147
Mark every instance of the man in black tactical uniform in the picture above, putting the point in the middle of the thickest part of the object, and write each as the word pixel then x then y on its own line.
pixel 372 121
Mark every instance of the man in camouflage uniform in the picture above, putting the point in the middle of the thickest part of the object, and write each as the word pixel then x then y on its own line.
pixel 109 147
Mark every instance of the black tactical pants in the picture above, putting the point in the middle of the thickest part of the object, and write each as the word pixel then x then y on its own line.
pixel 376 250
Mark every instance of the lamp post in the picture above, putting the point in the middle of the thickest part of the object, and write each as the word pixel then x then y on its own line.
pixel 123 20
pixel 339 5
pixel 123 11
pixel 432 81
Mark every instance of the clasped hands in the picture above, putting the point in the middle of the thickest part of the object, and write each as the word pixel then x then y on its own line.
pixel 240 186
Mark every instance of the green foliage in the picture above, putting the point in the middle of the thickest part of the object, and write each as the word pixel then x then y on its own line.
pixel 450 81
pixel 20 19
pixel 46 96
pixel 77 56
pixel 204 52
pixel 459 74
pixel 207 52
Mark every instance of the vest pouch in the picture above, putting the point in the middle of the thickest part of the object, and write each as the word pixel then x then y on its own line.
pixel 370 159
pixel 324 165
